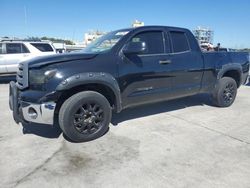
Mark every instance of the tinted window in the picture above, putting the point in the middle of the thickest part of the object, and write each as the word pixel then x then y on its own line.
pixel 24 49
pixel 43 47
pixel 16 48
pixel 1 49
pixel 167 43
pixel 154 41
pixel 179 41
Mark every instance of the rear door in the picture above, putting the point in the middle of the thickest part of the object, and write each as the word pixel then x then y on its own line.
pixel 146 77
pixel 187 64
pixel 15 53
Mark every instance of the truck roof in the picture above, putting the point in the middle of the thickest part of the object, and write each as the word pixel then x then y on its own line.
pixel 154 27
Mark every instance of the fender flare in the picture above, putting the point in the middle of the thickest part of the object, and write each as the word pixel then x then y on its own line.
pixel 105 79
pixel 230 67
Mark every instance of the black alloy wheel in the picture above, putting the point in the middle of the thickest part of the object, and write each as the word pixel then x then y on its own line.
pixel 225 92
pixel 88 118
pixel 85 116
pixel 229 93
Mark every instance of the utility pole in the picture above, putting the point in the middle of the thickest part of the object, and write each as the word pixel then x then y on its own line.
pixel 25 22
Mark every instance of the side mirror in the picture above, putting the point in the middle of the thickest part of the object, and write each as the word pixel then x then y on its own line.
pixel 135 48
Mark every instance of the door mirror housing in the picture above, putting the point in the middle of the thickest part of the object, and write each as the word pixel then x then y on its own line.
pixel 135 48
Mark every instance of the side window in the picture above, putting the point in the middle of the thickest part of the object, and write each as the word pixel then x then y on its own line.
pixel 16 48
pixel 167 43
pixel 24 49
pixel 1 48
pixel 13 48
pixel 179 41
pixel 43 47
pixel 153 40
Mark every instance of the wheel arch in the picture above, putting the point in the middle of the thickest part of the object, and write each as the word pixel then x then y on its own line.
pixel 233 71
pixel 102 83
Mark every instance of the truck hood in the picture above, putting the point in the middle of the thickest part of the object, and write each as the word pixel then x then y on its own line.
pixel 58 58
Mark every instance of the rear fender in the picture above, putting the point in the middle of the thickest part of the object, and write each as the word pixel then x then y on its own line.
pixel 230 67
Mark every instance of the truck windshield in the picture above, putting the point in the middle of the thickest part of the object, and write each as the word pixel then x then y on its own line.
pixel 105 43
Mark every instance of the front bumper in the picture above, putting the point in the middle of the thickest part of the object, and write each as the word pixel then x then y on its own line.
pixel 30 112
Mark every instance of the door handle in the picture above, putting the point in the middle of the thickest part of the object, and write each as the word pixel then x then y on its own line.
pixel 164 62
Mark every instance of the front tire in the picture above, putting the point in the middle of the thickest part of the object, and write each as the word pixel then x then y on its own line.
pixel 85 116
pixel 225 92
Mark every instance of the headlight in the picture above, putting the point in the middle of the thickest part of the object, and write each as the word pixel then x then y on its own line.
pixel 40 76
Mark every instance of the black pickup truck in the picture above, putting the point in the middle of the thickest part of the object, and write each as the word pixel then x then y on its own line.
pixel 122 69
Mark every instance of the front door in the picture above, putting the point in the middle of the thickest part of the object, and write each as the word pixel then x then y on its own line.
pixel 146 77
pixel 2 60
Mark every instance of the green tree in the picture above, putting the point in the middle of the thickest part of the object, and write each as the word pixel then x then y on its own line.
pixel 68 42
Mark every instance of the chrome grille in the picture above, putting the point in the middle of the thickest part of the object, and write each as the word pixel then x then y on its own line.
pixel 22 76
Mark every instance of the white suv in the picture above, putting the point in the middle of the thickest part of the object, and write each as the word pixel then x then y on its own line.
pixel 13 52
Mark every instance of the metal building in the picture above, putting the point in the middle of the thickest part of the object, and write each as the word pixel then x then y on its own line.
pixel 137 23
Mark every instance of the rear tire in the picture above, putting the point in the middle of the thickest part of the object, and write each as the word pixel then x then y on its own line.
pixel 85 116
pixel 225 92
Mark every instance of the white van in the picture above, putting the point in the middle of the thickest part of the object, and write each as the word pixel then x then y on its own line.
pixel 13 52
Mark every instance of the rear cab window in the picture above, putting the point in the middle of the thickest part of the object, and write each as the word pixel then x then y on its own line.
pixel 43 47
pixel 179 42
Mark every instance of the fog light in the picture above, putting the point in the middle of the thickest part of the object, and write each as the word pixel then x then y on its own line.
pixel 32 113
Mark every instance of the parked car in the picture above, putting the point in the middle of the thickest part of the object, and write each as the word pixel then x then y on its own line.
pixel 122 69
pixel 13 52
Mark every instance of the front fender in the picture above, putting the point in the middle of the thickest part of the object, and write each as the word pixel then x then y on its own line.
pixel 93 78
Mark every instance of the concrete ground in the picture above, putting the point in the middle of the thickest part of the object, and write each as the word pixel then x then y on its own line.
pixel 182 143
